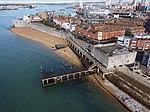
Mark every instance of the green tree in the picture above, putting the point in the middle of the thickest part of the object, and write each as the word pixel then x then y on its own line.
pixel 58 27
pixel 128 32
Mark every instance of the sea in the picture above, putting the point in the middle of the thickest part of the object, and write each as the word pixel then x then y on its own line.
pixel 20 79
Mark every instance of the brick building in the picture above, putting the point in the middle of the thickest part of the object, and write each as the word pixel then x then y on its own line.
pixel 110 28
pixel 140 44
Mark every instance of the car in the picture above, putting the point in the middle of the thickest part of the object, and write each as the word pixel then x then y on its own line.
pixel 148 77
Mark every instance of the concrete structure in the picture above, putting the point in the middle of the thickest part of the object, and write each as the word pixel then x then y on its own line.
pixel 146 59
pixel 95 65
pixel 124 41
pixel 20 22
pixel 49 79
pixel 78 49
pixel 35 18
pixel 113 56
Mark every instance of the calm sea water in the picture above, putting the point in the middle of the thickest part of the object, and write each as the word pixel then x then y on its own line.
pixel 20 84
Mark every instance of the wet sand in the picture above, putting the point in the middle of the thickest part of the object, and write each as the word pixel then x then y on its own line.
pixel 50 41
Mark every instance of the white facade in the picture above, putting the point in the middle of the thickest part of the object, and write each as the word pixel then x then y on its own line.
pixel 100 12
pixel 66 25
pixel 36 18
pixel 20 22
pixel 57 22
pixel 26 18
pixel 116 16
pixel 146 59
pixel 124 41
pixel 72 27
pixel 139 35
pixel 115 58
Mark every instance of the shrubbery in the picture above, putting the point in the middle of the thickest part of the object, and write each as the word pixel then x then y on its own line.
pixel 51 24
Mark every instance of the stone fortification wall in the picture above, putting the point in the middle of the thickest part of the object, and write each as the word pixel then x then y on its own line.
pixel 131 90
pixel 46 29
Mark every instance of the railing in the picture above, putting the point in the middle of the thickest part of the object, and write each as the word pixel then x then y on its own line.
pixel 71 39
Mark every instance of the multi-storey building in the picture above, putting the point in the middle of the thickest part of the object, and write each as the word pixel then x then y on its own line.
pixel 146 59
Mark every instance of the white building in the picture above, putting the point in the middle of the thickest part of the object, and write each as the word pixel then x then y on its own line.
pixel 66 25
pixel 124 41
pixel 141 35
pixel 100 11
pixel 146 59
pixel 20 22
pixel 36 18
pixel 57 21
pixel 26 17
pixel 113 56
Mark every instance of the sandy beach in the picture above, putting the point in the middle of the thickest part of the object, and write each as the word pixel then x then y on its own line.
pixel 50 41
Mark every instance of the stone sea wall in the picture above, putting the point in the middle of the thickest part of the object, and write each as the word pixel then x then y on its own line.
pixel 46 29
pixel 132 91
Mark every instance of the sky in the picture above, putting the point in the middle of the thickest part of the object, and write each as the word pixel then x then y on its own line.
pixel 51 1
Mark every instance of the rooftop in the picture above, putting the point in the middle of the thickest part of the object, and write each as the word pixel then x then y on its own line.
pixel 113 50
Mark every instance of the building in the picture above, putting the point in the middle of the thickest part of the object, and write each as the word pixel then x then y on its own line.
pixel 113 56
pixel 20 22
pixel 108 34
pixel 66 22
pixel 110 28
pixel 99 32
pixel 140 41
pixel 61 13
pixel 146 59
pixel 140 44
pixel 124 41
pixel 35 18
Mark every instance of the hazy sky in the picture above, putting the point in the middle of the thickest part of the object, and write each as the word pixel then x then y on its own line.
pixel 51 1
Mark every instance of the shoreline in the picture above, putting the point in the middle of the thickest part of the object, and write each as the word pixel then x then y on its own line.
pixel 93 79
pixel 50 41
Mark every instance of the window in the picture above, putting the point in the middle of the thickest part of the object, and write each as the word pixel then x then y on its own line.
pixel 140 44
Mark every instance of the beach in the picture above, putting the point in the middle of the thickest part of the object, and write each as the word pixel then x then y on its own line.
pixel 50 41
